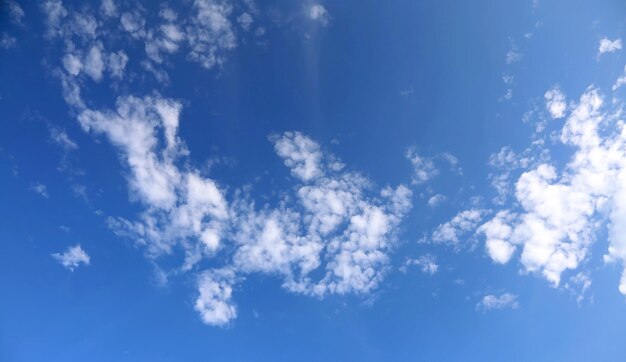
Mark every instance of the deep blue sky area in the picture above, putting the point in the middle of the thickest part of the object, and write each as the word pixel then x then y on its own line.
pixel 247 180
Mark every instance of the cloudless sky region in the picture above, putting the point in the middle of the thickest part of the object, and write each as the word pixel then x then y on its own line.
pixel 247 180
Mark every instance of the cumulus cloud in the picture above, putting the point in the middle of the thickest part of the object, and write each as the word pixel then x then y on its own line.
pixel 609 46
pixel 503 301
pixel 338 226
pixel 498 233
pixel 561 211
pixel 214 298
pixel 507 162
pixel 181 205
pixel 555 103
pixel 72 64
pixel 72 258
pixel 301 155
pixel 333 236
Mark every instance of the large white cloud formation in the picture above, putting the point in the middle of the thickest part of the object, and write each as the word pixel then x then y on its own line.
pixel 561 212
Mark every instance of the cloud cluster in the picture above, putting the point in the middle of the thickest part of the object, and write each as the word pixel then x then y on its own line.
pixel 205 32
pixel 338 225
pixel 560 212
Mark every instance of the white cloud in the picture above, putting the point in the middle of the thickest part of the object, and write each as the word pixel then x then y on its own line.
pixel 579 285
pixel 108 8
pixel 214 300
pixel 133 23
pixel 245 21
pixel 609 46
pixel 506 161
pixel 513 56
pixel 562 211
pixel 504 301
pixel 461 224
pixel 72 64
pixel 337 226
pixel 301 155
pixel 61 138
pixel 334 236
pixel 40 189
pixel 210 33
pixel 355 231
pixel 498 233
pixel 620 81
pixel 16 13
pixel 168 14
pixel 72 257
pixel 7 41
pixel 117 64
pixel 94 64
pixel 436 200
pixel 427 264
pixel 55 13
pixel 555 103
pixel 319 13
pixel 423 168
pixel 182 207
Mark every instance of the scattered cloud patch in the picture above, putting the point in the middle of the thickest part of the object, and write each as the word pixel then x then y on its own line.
pixel 579 285
pixel 609 46
pixel 436 200
pixel 423 168
pixel 72 258
pixel 318 12
pixel 427 264
pixel 40 189
pixel 462 224
pixel 503 301
pixel 513 56
pixel 555 103
pixel 7 41
pixel 214 297
pixel 16 13
pixel 60 137
pixel 620 81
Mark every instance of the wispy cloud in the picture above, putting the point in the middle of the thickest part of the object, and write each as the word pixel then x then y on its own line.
pixel 40 189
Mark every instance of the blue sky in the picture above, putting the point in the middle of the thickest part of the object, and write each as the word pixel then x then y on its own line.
pixel 299 180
